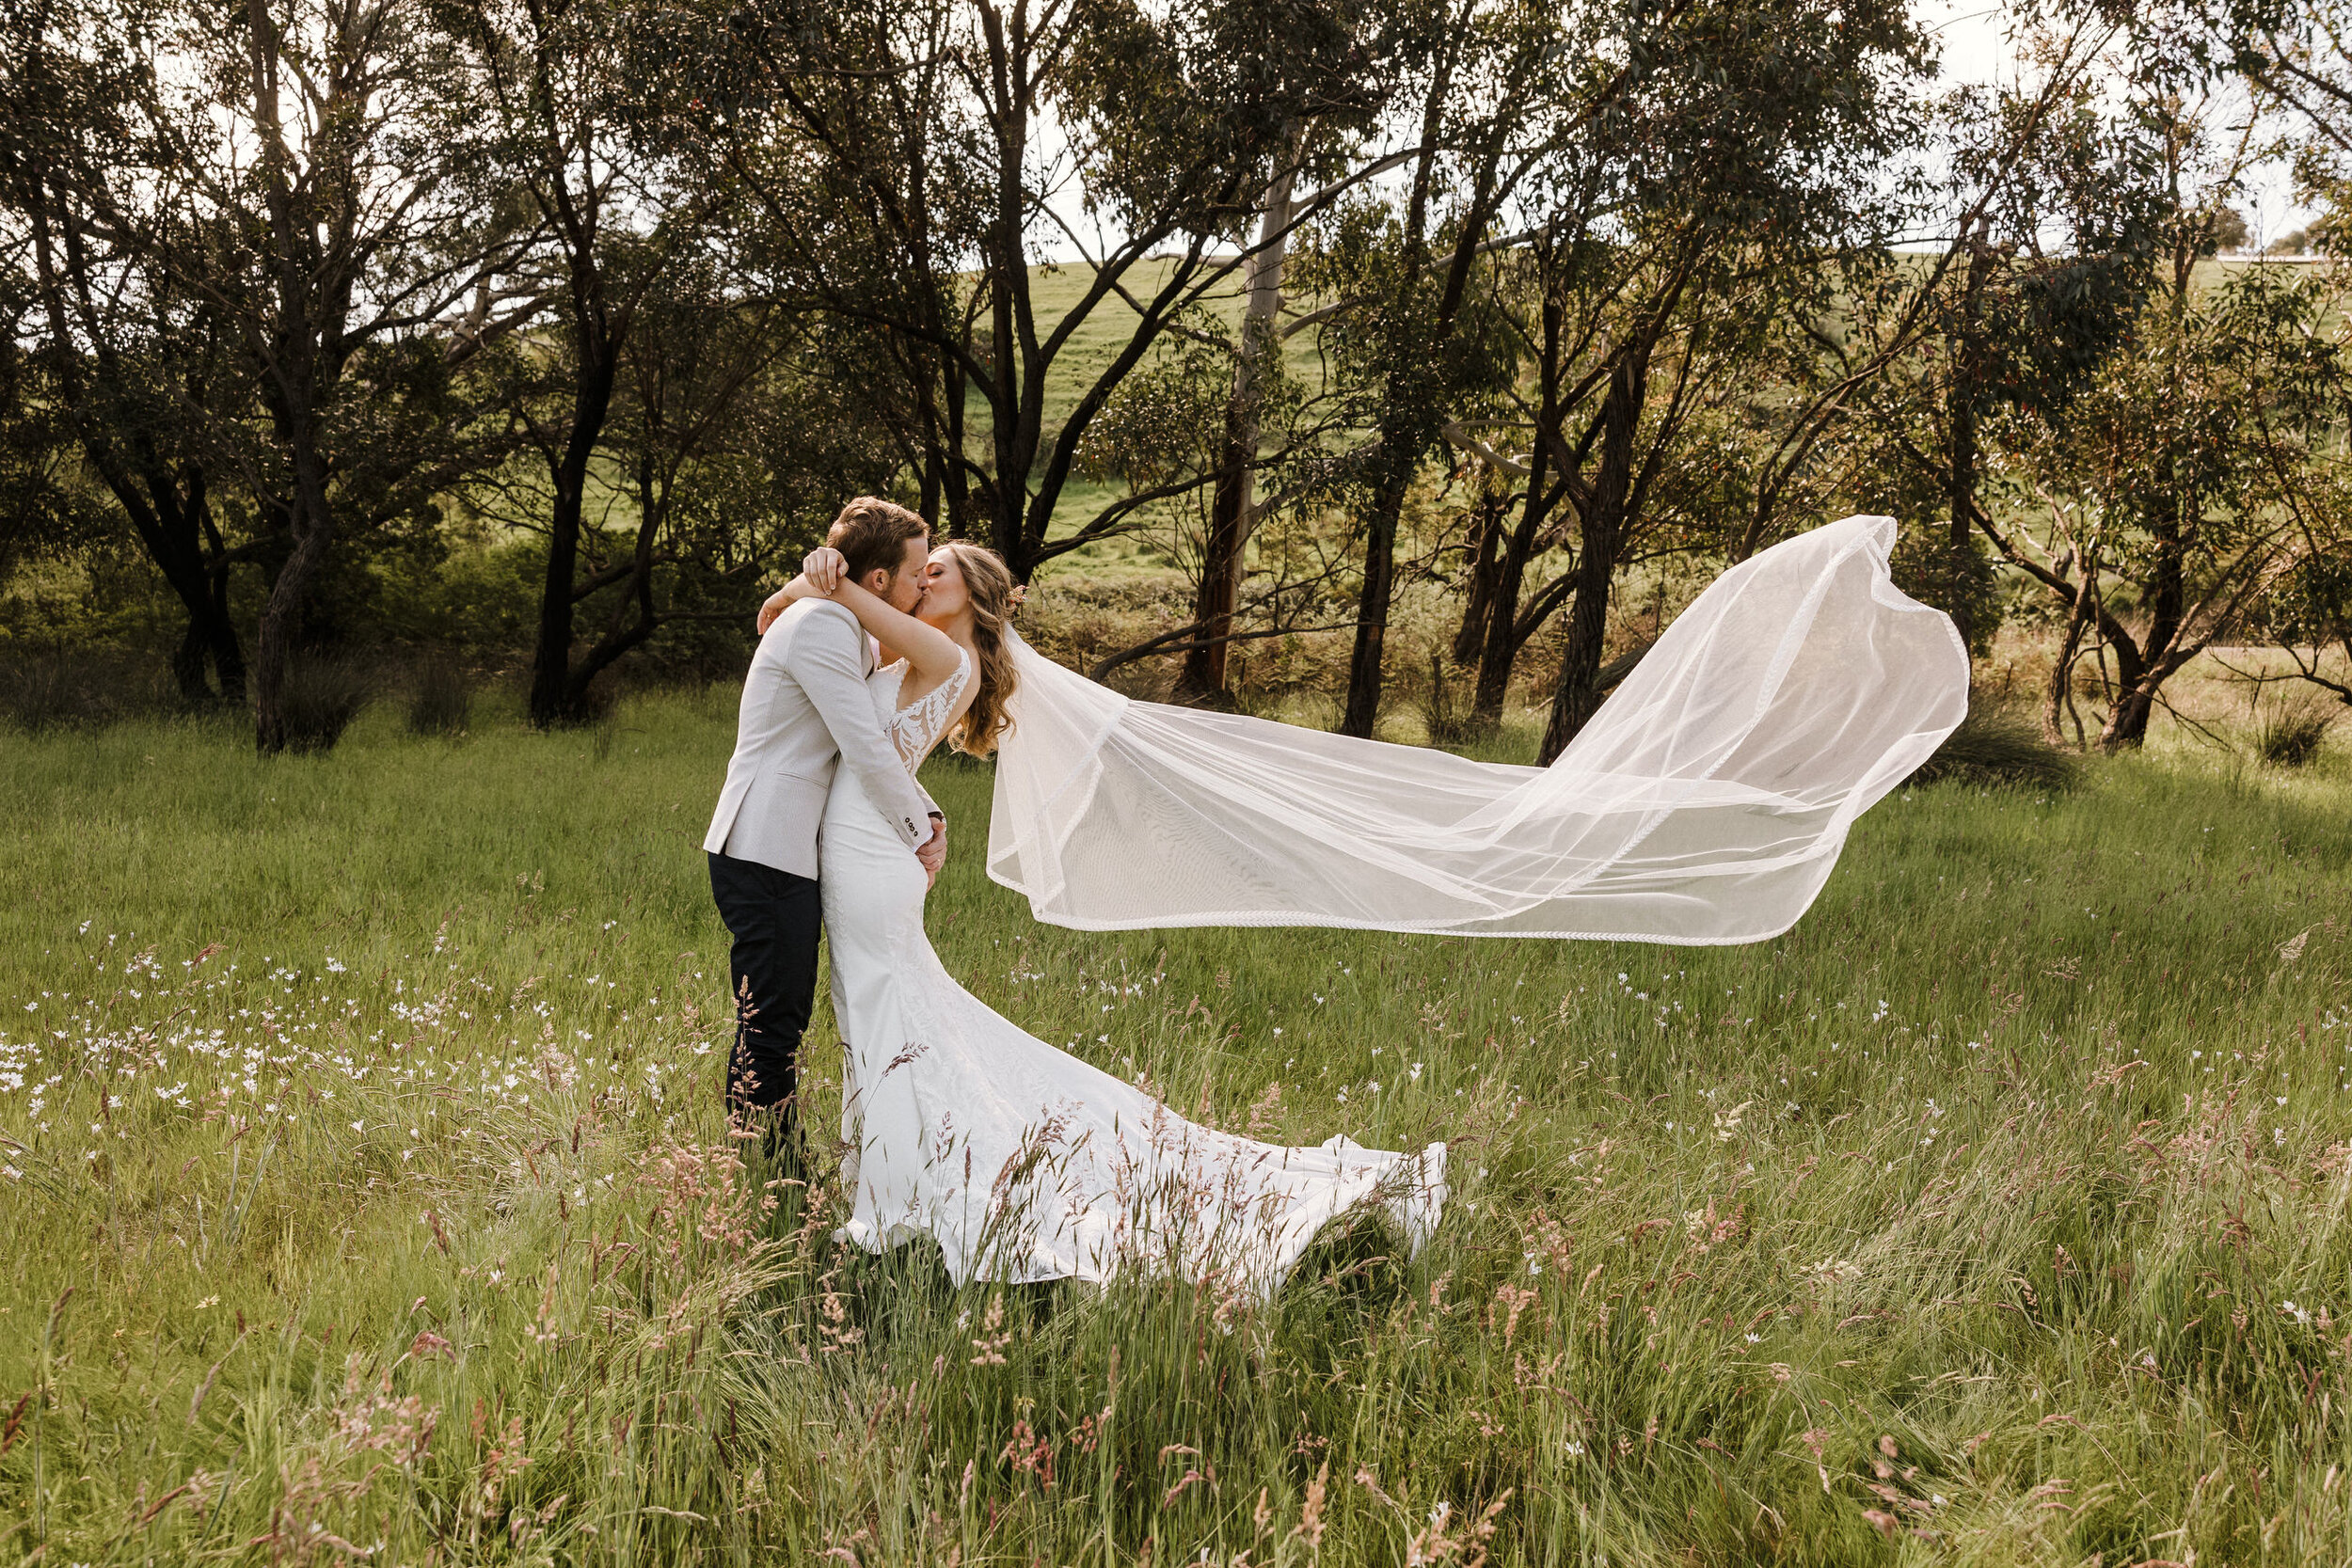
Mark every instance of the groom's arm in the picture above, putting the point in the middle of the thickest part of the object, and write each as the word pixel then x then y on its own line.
pixel 826 656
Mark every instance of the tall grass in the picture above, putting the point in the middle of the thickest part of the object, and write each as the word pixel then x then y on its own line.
pixel 367 1196
pixel 320 698
pixel 2291 732
pixel 441 696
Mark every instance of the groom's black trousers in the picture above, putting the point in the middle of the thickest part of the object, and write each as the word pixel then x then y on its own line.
pixel 774 917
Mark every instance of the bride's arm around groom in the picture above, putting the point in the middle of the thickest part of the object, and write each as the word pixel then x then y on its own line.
pixel 805 704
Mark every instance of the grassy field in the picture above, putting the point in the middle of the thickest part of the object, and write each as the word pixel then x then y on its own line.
pixel 368 1200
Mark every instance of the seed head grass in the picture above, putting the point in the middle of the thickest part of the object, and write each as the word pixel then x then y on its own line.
pixel 368 1198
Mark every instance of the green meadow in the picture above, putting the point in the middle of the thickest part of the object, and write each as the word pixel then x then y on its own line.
pixel 367 1197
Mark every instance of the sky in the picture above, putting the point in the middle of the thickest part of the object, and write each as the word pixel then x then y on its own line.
pixel 1975 50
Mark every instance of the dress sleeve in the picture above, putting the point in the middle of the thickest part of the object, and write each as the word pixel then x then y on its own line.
pixel 825 657
pixel 915 728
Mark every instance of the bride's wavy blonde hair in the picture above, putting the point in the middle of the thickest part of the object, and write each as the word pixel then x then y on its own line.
pixel 988 582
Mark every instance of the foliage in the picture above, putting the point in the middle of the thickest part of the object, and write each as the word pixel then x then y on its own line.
pixel 1328 311
pixel 2174 480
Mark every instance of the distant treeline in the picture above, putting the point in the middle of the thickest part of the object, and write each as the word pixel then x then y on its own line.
pixel 556 330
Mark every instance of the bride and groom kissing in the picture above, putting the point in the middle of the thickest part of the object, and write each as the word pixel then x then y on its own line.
pixel 1022 1162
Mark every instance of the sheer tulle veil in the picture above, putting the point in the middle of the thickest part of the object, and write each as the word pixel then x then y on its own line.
pixel 1705 803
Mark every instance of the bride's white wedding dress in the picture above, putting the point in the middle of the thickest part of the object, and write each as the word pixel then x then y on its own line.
pixel 1021 1161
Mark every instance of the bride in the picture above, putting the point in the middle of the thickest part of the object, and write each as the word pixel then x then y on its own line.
pixel 1021 1161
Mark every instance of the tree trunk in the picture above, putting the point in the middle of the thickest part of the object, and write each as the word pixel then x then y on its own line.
pixel 1372 609
pixel 552 696
pixel 1233 517
pixel 1601 535
pixel 1501 652
pixel 2136 677
pixel 2078 619
pixel 313 527
pixel 1503 633
pixel 1013 420
pixel 2142 667
pixel 171 516
pixel 1485 563
pixel 1960 481
pixel 1406 424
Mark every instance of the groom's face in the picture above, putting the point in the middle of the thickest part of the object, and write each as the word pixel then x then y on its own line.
pixel 902 587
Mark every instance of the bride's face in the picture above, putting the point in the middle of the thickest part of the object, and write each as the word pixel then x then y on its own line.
pixel 944 596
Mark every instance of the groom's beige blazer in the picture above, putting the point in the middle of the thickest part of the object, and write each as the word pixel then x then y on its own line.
pixel 805 711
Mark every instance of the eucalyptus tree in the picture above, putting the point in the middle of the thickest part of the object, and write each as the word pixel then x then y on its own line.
pixel 1493 87
pixel 124 361
pixel 2297 58
pixel 726 457
pixel 917 163
pixel 1660 181
pixel 2153 423
pixel 569 128
pixel 2062 206
pixel 284 166
pixel 1234 504
pixel 2178 488
pixel 1723 194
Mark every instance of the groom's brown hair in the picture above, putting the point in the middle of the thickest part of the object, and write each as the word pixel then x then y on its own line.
pixel 871 535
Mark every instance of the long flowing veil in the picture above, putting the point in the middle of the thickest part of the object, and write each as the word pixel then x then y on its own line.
pixel 1705 802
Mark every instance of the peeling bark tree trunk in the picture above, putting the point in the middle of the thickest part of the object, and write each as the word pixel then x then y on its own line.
pixel 1232 514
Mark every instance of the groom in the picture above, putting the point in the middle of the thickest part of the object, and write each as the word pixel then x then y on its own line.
pixel 806 711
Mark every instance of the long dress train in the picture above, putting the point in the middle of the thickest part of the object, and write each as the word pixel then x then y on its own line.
pixel 1021 1161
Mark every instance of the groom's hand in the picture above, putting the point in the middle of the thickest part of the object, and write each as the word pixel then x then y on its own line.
pixel 933 850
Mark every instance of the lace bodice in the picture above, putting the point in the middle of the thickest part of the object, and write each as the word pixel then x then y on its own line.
pixel 915 727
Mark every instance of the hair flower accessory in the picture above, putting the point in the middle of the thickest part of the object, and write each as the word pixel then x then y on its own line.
pixel 1019 595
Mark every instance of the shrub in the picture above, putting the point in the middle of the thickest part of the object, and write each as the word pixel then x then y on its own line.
pixel 51 690
pixel 1447 709
pixel 1999 746
pixel 41 693
pixel 442 701
pixel 320 699
pixel 2291 736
